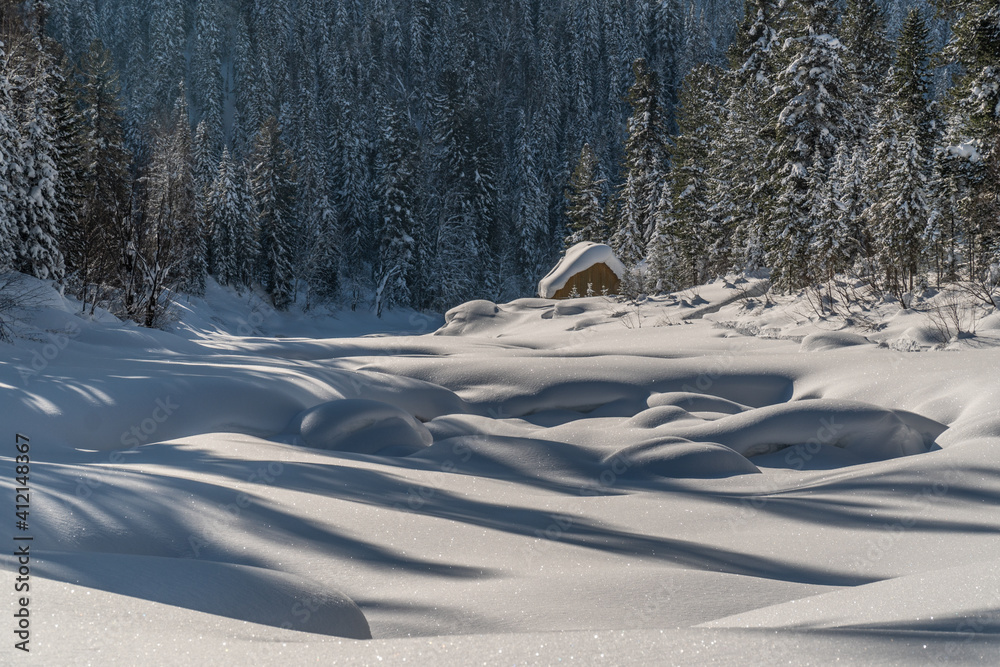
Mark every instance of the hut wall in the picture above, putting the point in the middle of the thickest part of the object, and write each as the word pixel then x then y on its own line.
pixel 599 276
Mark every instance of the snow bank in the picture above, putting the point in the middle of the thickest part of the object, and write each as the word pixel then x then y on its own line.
pixel 579 258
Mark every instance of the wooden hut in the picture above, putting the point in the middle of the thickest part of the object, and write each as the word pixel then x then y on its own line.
pixel 585 266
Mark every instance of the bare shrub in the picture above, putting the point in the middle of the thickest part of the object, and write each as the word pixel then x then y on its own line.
pixel 953 316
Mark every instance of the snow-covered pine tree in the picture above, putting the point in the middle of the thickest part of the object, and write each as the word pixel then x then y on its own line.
pixel 323 265
pixel 38 188
pixel 354 201
pixel 82 27
pixel 69 141
pixel 531 210
pixel 466 191
pixel 620 52
pixel 749 132
pixel 167 45
pixel 10 165
pixel 814 116
pixel 304 139
pixel 644 168
pixel 853 199
pixel 397 172
pixel 206 65
pixel 975 98
pixel 233 238
pixel 867 57
pixel 662 256
pixel 696 47
pixel 273 185
pixel 698 241
pixel 664 43
pixel 584 207
pixel 107 180
pixel 253 83
pixel 833 242
pixel 957 165
pixel 900 163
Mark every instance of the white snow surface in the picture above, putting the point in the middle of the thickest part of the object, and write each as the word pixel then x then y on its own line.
pixel 710 477
pixel 579 258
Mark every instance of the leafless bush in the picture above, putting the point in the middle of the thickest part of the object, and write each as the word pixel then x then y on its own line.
pixel 848 297
pixel 953 316
pixel 627 311
pixel 984 288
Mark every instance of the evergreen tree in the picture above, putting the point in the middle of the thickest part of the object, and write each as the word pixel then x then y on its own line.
pixel 38 189
pixel 10 165
pixel 233 246
pixel 107 184
pixel 813 118
pixel 584 211
pixel 833 241
pixel 398 246
pixel 531 212
pixel 167 44
pixel 467 193
pixel 323 270
pixel 273 184
pixel 354 202
pixel 975 98
pixel 957 165
pixel 744 186
pixel 207 71
pixel 688 229
pixel 70 144
pixel 900 165
pixel 644 167
pixel 867 57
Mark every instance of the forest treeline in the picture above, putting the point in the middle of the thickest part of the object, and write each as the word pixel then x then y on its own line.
pixel 420 154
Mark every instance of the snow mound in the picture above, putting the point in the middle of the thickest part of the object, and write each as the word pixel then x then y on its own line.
pixel 658 416
pixel 989 323
pixel 361 426
pixel 471 311
pixel 680 459
pixel 579 258
pixel 692 402
pixel 832 340
pixel 870 432
pixel 469 318
pixel 242 592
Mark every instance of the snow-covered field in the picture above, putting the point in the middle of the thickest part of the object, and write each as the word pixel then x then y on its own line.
pixel 707 478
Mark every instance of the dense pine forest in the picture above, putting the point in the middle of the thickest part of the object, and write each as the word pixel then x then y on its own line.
pixel 382 153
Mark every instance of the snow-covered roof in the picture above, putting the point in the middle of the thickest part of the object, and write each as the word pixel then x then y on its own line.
pixel 579 258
